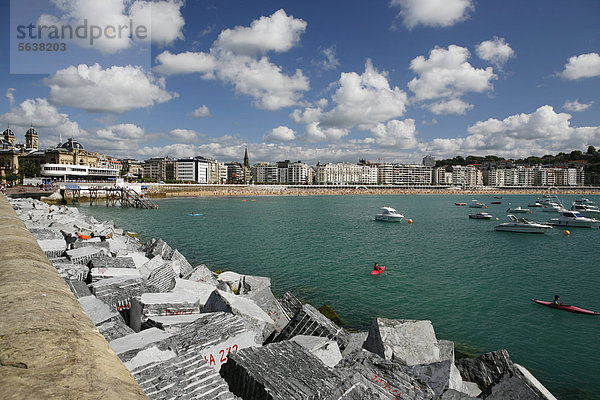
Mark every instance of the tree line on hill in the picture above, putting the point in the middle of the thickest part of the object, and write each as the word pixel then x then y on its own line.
pixel 591 156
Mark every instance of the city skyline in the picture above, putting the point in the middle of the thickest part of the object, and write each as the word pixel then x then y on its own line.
pixel 393 81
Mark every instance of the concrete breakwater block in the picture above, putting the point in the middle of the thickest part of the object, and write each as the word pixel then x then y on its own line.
pixel 174 323
pixel 112 262
pixel 129 346
pixel 441 376
pixel 278 371
pixel 158 247
pixel 69 270
pixel 104 273
pixel 119 291
pixel 83 255
pixel 181 266
pixel 202 274
pixel 78 288
pixel 53 247
pixel 385 374
pixel 290 304
pixel 215 336
pixel 324 349
pixel 45 234
pixel 159 273
pixel 499 378
pixel 245 308
pixel 409 342
pixel 97 310
pixel 114 328
pixel 309 321
pixel 264 298
pixel 169 304
pixel 182 377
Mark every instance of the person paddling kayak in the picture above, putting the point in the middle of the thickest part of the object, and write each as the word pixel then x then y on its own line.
pixel 376 267
pixel 558 301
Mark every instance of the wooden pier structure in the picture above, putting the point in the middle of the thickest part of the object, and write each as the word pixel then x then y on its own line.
pixel 114 196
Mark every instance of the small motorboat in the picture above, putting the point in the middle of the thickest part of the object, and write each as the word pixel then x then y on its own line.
pixel 518 210
pixel 522 225
pixel 476 204
pixel 194 214
pixel 496 202
pixel 552 207
pixel 481 215
pixel 586 210
pixel 497 197
pixel 460 204
pixel 536 204
pixel 389 214
pixel 572 218
pixel 565 307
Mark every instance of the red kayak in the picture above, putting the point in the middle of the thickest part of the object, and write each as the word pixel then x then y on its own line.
pixel 565 307
pixel 381 269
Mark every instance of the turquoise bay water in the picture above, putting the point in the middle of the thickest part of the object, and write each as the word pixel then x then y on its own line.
pixel 473 283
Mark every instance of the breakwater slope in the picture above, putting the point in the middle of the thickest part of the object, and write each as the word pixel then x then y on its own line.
pixel 186 332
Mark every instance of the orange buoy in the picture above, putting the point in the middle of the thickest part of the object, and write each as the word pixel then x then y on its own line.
pixel 567 233
pixel 410 221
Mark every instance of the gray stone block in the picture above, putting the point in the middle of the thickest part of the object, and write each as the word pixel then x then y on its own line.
pixel 118 292
pixel 169 304
pixel 355 342
pixel 69 270
pixel 83 255
pixel 181 266
pixel 162 278
pixel 129 346
pixel 409 342
pixel 486 369
pixel 245 308
pixel 440 376
pixel 158 247
pixel 290 304
pixel 324 349
pixel 202 274
pixel 79 288
pixel 385 374
pixel 309 321
pixel 112 262
pixel 114 329
pixel 97 310
pixel 278 371
pixel 264 298
pixel 182 377
pixel 53 247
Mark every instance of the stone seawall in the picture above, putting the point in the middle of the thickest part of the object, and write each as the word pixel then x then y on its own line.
pixel 49 347
pixel 185 332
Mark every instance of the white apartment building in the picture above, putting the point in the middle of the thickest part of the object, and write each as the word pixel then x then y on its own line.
pixel 466 176
pixel 345 174
pixel 441 177
pixel 265 172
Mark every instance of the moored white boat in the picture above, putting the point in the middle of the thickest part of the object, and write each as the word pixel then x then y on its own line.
pixel 389 214
pixel 518 210
pixel 476 204
pixel 480 215
pixel 522 225
pixel 586 210
pixel 572 218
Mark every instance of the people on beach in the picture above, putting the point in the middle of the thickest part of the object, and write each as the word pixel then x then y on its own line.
pixel 558 301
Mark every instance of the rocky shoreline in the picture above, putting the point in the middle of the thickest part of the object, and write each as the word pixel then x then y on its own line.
pixel 185 332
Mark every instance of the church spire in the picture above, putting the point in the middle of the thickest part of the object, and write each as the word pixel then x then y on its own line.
pixel 246 161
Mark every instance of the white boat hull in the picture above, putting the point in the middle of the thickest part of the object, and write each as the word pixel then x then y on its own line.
pixel 522 229
pixel 388 218
pixel 576 224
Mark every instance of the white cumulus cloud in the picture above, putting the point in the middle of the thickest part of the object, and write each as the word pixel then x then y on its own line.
pixel 160 21
pixel 496 51
pixel 447 75
pixel 185 63
pixel 433 13
pixel 121 132
pixel 576 106
pixel 200 112
pixel 278 32
pixel 280 134
pixel 398 134
pixel 582 66
pixel 114 90
pixel 187 135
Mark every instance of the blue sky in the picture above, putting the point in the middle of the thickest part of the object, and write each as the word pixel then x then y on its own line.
pixel 311 81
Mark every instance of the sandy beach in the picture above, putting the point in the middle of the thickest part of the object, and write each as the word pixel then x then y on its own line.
pixel 250 191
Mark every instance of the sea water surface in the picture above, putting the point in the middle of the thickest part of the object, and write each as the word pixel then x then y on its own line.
pixel 475 284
